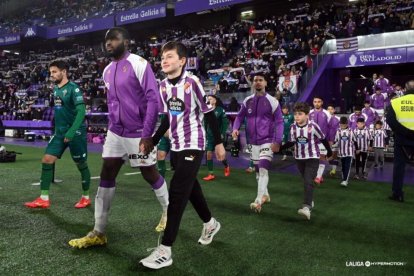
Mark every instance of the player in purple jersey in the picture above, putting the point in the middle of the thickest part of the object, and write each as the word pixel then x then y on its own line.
pixel 334 125
pixel 364 139
pixel 265 131
pixel 133 109
pixel 378 101
pixel 322 117
pixel 372 115
pixel 182 99
pixel 355 116
pixel 306 136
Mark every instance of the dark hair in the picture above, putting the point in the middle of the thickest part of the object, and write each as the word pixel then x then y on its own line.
pixel 317 97
pixel 379 123
pixel 343 120
pixel 61 64
pixel 285 106
pixel 175 45
pixel 358 107
pixel 360 120
pixel 331 104
pixel 260 74
pixel 112 32
pixel 368 102
pixel 301 107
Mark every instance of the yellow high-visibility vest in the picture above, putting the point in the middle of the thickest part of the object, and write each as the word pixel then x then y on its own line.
pixel 404 110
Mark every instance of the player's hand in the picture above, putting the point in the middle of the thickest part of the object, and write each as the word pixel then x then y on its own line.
pixel 369 148
pixel 146 145
pixel 275 147
pixel 235 134
pixel 220 152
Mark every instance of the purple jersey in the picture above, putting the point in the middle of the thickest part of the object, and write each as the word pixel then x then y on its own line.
pixel 383 84
pixel 334 125
pixel 379 135
pixel 372 115
pixel 264 119
pixel 321 118
pixel 184 103
pixel 345 140
pixel 363 138
pixel 132 97
pixel 306 139
pixel 378 100
pixel 352 121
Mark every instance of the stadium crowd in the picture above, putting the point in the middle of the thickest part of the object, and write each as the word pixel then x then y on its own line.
pixel 279 45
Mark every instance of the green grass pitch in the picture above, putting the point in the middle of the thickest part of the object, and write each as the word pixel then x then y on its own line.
pixel 354 224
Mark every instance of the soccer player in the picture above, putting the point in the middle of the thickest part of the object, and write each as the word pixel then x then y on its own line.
pixel 372 115
pixel 265 131
pixel 378 101
pixel 133 110
pixel 306 136
pixel 334 126
pixel 380 139
pixel 223 124
pixel 70 131
pixel 322 117
pixel 182 98
pixel 353 118
pixel 163 148
pixel 287 122
pixel 347 145
pixel 364 139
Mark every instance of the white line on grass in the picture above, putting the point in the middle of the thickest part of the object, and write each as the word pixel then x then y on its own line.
pixel 133 173
pixel 35 184
pixel 95 177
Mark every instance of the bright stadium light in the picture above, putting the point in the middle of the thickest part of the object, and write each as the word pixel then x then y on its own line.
pixel 247 13
pixel 6 51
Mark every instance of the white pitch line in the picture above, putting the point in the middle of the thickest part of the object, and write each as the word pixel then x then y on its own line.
pixel 132 173
pixel 35 184
pixel 95 177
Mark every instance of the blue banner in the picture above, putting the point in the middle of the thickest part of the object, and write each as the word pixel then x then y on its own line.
pixel 141 14
pixel 190 6
pixel 86 26
pixel 9 39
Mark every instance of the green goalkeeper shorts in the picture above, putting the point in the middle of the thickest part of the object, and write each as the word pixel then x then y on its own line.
pixel 164 144
pixel 78 146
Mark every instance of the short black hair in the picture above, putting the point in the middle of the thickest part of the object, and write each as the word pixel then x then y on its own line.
pixel 301 107
pixel 260 74
pixel 360 120
pixel 379 123
pixel 181 49
pixel 368 102
pixel 317 97
pixel 112 32
pixel 358 107
pixel 343 120
pixel 331 104
pixel 60 63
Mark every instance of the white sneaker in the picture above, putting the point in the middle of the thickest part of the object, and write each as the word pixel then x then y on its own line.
pixel 159 258
pixel 256 206
pixel 209 231
pixel 313 204
pixel 284 157
pixel 305 212
pixel 163 223
pixel 344 183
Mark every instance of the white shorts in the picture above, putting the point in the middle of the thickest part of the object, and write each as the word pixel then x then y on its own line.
pixel 322 149
pixel 261 152
pixel 127 148
pixel 380 112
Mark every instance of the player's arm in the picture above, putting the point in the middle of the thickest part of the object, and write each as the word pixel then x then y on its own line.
pixel 162 129
pixel 224 123
pixel 77 99
pixel 290 143
pixel 239 120
pixel 278 133
pixel 318 133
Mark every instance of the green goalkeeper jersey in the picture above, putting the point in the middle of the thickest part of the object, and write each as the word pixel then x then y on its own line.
pixel 66 100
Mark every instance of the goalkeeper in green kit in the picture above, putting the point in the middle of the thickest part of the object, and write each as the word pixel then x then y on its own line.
pixel 70 131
